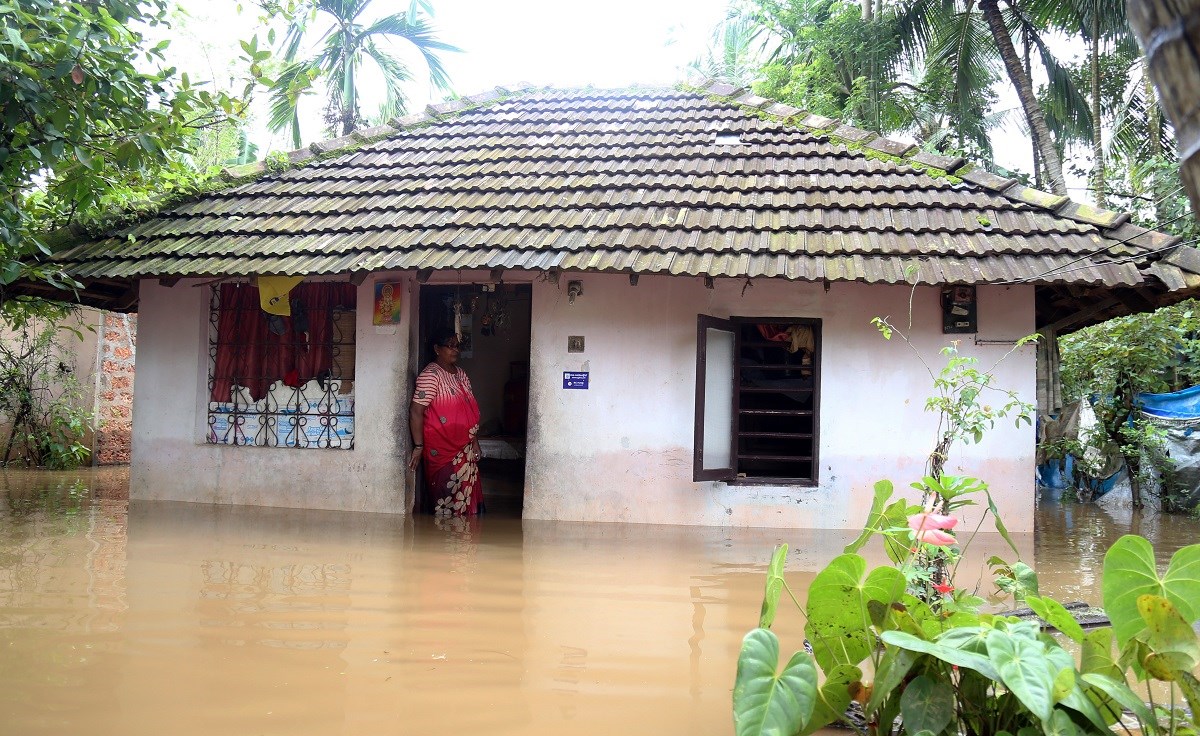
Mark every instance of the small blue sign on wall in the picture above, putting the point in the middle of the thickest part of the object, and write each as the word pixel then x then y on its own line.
pixel 575 379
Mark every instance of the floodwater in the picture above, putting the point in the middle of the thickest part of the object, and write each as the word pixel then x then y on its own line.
pixel 169 618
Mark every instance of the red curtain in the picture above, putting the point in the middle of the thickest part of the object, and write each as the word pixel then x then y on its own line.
pixel 249 354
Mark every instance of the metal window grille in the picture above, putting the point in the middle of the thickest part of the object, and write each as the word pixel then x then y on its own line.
pixel 265 406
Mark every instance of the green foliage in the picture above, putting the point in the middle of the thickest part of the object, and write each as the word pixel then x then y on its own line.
pixel 277 161
pixel 1153 352
pixel 346 42
pixel 40 399
pixel 1130 573
pixel 767 702
pixel 92 117
pixel 822 56
pixel 945 667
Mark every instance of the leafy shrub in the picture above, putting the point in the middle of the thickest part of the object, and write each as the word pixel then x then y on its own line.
pixel 39 396
pixel 945 668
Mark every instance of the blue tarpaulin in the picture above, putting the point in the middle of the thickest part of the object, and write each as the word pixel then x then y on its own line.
pixel 1177 415
pixel 1179 405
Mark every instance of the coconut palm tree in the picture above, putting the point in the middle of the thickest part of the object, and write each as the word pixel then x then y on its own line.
pixel 346 42
pixel 975 38
pixel 1103 25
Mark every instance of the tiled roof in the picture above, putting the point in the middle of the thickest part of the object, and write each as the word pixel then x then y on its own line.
pixel 702 182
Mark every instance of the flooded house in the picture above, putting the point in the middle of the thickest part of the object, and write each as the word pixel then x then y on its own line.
pixel 665 298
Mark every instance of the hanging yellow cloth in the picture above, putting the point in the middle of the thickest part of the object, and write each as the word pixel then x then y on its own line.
pixel 273 293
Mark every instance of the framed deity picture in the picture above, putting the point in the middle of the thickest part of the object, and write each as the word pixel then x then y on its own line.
pixel 387 303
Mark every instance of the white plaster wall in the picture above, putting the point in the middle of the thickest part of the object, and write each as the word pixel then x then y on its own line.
pixel 622 450
pixel 171 461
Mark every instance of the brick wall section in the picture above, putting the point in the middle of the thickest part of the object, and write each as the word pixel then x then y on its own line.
pixel 114 404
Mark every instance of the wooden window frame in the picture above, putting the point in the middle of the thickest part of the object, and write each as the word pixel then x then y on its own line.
pixel 730 475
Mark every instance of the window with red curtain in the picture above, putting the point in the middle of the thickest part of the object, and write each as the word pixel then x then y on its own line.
pixel 252 350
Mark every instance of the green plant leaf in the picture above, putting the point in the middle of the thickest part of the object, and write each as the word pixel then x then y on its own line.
pixel 952 655
pixel 839 623
pixel 1097 654
pixel 1022 668
pixel 1130 572
pixel 1053 613
pixel 768 703
pixel 1119 692
pixel 1060 724
pixel 833 698
pixel 927 705
pixel 1079 701
pixel 1172 642
pixel 1191 690
pixel 875 521
pixel 775 584
pixel 893 668
pixel 1003 530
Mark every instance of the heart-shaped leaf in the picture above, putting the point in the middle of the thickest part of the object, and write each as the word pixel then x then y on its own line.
pixel 1022 668
pixel 766 703
pixel 1097 654
pixel 926 705
pixel 1130 572
pixel 839 622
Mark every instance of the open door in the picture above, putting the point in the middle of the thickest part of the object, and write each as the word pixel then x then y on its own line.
pixel 494 325
pixel 715 411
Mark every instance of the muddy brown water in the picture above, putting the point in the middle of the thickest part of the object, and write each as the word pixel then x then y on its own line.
pixel 168 618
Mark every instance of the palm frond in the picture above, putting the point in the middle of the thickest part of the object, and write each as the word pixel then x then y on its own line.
pixel 292 84
pixel 420 34
pixel 395 73
pixel 919 22
pixel 1068 108
pixel 966 47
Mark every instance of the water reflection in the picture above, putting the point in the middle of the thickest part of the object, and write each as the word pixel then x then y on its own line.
pixel 147 618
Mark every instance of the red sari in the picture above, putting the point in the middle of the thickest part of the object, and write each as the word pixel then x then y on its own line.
pixel 451 423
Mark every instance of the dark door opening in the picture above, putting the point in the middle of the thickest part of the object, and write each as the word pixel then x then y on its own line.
pixel 494 330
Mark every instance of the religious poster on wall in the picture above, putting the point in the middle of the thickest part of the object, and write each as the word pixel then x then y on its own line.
pixel 387 304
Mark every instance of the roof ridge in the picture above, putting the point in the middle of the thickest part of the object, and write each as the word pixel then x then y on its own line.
pixel 957 166
pixel 332 147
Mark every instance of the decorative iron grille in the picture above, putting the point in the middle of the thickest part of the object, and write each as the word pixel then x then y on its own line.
pixel 282 381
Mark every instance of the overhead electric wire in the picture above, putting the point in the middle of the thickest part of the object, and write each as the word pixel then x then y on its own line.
pixel 1060 268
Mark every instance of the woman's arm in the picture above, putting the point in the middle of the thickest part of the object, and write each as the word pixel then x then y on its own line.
pixel 416 427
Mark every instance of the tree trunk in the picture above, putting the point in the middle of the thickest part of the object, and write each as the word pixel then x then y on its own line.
pixel 1153 118
pixel 1026 43
pixel 1099 185
pixel 868 9
pixel 1033 112
pixel 1169 31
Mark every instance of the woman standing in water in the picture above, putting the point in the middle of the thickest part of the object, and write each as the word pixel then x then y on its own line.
pixel 444 419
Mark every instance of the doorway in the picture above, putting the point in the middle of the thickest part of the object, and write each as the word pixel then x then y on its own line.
pixel 494 330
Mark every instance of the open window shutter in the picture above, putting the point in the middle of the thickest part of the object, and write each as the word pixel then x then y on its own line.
pixel 716 341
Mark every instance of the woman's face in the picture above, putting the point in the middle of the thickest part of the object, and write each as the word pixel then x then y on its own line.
pixel 447 353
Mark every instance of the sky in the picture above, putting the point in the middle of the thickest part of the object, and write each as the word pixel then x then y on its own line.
pixel 562 43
